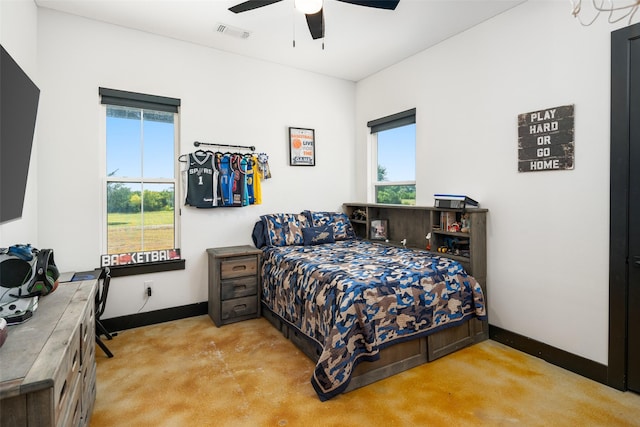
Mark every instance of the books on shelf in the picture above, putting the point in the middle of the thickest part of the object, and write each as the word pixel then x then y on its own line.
pixel 455 201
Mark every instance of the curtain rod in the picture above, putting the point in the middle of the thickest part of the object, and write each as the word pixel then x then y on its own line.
pixel 247 147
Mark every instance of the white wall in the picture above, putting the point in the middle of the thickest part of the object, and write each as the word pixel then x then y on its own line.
pixel 18 35
pixel 547 231
pixel 226 99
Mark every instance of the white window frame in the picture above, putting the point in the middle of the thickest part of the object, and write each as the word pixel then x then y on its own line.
pixel 405 118
pixel 175 181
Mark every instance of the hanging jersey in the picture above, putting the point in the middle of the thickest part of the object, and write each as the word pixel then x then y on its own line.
pixel 226 180
pixel 201 180
pixel 257 186
pixel 216 163
pixel 238 177
pixel 244 169
pixel 251 200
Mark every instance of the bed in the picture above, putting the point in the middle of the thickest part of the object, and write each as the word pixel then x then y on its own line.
pixel 346 301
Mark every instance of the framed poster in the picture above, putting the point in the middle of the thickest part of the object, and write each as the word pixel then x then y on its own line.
pixel 379 229
pixel 302 147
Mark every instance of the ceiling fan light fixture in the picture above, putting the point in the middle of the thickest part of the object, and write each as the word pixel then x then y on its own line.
pixel 308 7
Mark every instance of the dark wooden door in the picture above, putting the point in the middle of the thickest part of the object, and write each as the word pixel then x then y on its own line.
pixel 623 370
pixel 633 308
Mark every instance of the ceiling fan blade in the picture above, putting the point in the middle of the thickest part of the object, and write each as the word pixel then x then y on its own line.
pixel 251 4
pixel 315 21
pixel 378 4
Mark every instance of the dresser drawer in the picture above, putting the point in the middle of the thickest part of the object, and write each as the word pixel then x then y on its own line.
pixel 238 267
pixel 239 307
pixel 71 415
pixel 87 335
pixel 68 374
pixel 88 390
pixel 239 287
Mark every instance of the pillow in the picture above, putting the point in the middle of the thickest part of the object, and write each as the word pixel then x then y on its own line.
pixel 318 235
pixel 284 229
pixel 342 228
pixel 259 236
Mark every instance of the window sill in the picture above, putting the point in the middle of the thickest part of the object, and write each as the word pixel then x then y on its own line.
pixel 152 267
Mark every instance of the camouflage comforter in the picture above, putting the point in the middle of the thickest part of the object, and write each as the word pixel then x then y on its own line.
pixel 356 297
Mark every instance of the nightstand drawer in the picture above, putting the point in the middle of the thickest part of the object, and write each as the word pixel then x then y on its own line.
pixel 239 307
pixel 238 267
pixel 239 287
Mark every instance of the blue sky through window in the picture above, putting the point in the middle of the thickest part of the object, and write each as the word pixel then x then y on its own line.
pixel 397 152
pixel 129 138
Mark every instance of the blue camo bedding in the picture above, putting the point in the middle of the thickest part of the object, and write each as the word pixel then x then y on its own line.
pixel 355 297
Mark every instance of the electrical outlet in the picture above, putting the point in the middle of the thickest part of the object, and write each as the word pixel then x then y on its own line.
pixel 148 288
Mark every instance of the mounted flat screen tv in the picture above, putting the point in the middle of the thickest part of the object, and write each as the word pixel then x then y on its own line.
pixel 18 108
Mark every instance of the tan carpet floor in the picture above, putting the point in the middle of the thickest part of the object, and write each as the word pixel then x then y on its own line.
pixel 191 373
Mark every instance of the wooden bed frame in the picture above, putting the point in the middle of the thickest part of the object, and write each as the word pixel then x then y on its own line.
pixel 410 222
pixel 396 358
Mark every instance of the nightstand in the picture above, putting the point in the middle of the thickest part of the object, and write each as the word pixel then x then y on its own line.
pixel 234 284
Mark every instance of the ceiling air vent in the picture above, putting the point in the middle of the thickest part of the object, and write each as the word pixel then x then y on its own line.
pixel 233 31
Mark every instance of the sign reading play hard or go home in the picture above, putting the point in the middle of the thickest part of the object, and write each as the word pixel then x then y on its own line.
pixel 545 139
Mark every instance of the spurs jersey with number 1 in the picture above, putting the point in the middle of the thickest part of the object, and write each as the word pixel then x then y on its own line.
pixel 201 180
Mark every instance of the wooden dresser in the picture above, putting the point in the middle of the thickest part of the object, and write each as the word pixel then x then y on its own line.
pixel 47 364
pixel 234 284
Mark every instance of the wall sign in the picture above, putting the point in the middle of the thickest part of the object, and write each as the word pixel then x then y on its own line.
pixel 302 147
pixel 143 257
pixel 545 139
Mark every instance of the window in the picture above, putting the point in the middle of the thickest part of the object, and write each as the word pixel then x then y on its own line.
pixel 393 150
pixel 141 177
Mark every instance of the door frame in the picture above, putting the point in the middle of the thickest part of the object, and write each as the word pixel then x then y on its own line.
pixel 619 206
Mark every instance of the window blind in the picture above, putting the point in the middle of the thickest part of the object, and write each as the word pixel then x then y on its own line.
pixel 393 121
pixel 138 100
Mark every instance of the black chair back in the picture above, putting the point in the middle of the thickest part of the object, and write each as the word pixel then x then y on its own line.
pixel 101 302
pixel 103 291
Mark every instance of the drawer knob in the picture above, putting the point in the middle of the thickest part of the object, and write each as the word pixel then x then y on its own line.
pixel 239 267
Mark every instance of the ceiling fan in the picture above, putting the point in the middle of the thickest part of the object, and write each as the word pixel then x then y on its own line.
pixel 313 10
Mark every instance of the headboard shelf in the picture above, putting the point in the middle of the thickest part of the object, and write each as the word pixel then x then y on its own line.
pixel 415 223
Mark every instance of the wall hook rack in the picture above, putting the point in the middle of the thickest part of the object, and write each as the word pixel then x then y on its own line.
pixel 245 147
